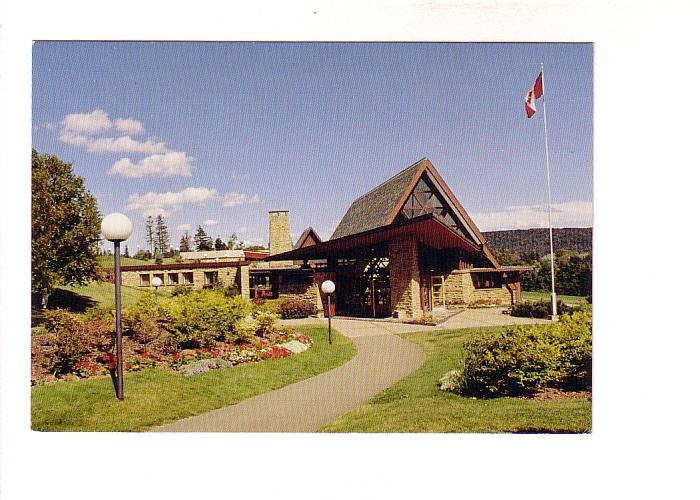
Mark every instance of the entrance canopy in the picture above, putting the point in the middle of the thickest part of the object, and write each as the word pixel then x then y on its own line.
pixel 428 230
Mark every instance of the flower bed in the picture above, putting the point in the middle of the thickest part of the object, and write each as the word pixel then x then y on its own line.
pixel 191 333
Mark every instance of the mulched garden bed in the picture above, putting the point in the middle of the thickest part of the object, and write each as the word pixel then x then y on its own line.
pixel 187 361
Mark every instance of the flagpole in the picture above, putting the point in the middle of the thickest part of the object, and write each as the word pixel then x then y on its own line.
pixel 555 317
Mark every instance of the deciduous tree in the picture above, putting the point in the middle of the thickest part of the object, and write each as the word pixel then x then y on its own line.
pixel 65 227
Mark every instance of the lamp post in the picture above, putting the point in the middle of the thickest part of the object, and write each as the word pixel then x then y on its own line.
pixel 117 227
pixel 328 287
pixel 156 282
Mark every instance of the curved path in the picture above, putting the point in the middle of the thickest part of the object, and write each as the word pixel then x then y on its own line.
pixel 381 360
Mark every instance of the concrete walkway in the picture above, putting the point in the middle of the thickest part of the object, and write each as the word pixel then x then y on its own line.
pixel 382 359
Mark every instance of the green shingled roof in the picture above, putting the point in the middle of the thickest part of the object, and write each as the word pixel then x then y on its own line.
pixel 371 210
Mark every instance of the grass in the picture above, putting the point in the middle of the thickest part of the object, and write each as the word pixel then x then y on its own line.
pixel 567 299
pixel 156 396
pixel 108 261
pixel 416 404
pixel 80 298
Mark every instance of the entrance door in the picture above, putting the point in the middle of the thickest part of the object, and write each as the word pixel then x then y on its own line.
pixel 437 297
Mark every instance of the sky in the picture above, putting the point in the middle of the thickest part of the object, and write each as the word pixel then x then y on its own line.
pixel 218 134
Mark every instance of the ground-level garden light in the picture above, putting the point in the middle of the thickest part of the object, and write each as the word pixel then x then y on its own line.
pixel 328 287
pixel 117 227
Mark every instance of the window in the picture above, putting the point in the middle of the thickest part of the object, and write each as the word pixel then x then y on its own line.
pixel 173 279
pixel 297 278
pixel 211 278
pixel 487 280
pixel 145 279
pixel 188 278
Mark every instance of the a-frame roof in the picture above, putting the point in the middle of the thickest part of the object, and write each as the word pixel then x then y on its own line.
pixel 307 238
pixel 383 204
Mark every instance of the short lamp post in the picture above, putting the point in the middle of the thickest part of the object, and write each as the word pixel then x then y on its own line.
pixel 117 227
pixel 156 282
pixel 328 287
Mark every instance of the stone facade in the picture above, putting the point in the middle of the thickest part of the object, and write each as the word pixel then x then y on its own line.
pixel 404 275
pixel 280 232
pixel 460 291
pixel 196 276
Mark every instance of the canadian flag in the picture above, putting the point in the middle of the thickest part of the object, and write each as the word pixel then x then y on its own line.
pixel 532 95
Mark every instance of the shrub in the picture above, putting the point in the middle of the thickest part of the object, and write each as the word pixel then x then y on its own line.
pixel 524 359
pixel 452 381
pixel 180 290
pixel 291 307
pixel 194 319
pixel 75 337
pixel 540 309
pixel 268 306
pixel 265 324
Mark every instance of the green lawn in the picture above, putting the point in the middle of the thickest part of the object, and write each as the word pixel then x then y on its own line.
pixel 79 298
pixel 156 396
pixel 567 299
pixel 416 404
pixel 108 261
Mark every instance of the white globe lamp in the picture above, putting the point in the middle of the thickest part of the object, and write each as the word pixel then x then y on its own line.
pixel 116 227
pixel 156 282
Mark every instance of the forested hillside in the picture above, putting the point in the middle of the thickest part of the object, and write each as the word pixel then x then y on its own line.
pixel 526 241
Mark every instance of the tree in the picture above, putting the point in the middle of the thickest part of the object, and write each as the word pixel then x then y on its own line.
pixel 65 227
pixel 219 245
pixel 126 251
pixel 162 236
pixel 150 235
pixel 234 243
pixel 202 241
pixel 186 243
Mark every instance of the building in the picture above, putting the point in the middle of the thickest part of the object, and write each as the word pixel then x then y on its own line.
pixel 403 249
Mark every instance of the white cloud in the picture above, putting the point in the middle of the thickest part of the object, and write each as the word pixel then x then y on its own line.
pixel 174 163
pixel 74 139
pixel 167 203
pixel 184 227
pixel 129 126
pixel 125 144
pixel 242 230
pixel 210 222
pixel 87 123
pixel 234 199
pixel 568 214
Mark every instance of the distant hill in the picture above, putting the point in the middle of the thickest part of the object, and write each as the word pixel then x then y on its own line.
pixel 519 241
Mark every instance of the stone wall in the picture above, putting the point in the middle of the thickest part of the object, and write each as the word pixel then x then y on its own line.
pixel 499 295
pixel 460 291
pixel 404 275
pixel 236 276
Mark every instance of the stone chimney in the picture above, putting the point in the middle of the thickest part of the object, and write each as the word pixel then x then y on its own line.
pixel 280 232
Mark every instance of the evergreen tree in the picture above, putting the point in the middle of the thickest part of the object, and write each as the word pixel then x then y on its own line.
pixel 202 241
pixel 234 243
pixel 162 236
pixel 126 251
pixel 150 235
pixel 219 245
pixel 186 243
pixel 65 227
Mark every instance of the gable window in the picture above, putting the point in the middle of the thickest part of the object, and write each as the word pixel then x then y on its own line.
pixel 425 199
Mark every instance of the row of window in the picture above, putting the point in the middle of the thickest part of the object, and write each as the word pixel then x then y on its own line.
pixel 186 278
